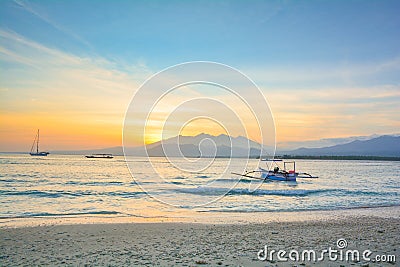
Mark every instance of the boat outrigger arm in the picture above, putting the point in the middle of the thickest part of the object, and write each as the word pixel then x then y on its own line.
pixel 247 174
pixel 305 175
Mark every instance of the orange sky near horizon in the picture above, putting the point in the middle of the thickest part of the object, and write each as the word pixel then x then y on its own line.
pixel 71 120
pixel 56 132
pixel 61 132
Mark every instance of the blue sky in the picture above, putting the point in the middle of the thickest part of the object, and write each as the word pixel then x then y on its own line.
pixel 242 33
pixel 339 58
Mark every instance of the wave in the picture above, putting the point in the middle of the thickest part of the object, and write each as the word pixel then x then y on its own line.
pixel 23 181
pixel 180 177
pixel 289 193
pixel 21 175
pixel 46 214
pixel 372 206
pixel 94 183
pixel 111 183
pixel 57 194
pixel 259 192
pixel 237 180
pixel 177 183
pixel 15 163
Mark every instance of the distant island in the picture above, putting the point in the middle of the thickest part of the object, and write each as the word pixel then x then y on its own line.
pixel 339 157
pixel 385 147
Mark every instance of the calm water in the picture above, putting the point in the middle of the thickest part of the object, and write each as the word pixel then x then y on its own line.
pixel 73 185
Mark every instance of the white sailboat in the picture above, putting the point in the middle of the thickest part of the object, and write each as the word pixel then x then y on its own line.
pixel 36 145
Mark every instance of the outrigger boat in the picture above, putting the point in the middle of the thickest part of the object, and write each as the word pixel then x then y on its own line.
pixel 275 173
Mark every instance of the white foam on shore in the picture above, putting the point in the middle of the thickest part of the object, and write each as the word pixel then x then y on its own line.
pixel 209 217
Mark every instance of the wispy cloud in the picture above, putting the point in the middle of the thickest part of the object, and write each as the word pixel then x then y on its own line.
pixel 306 114
pixel 320 75
pixel 60 70
pixel 41 85
pixel 317 101
pixel 28 6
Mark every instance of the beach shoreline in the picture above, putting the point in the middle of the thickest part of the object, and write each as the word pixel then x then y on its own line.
pixel 206 217
pixel 201 243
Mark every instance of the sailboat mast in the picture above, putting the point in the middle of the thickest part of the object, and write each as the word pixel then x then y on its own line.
pixel 37 144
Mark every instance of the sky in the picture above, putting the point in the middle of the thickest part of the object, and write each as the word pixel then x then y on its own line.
pixel 327 68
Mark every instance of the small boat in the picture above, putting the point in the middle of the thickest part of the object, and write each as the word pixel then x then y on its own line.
pixel 100 156
pixel 36 145
pixel 274 172
pixel 277 174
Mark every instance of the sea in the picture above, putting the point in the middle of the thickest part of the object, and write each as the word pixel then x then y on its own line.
pixel 72 185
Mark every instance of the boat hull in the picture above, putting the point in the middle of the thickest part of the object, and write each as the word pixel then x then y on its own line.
pixel 40 154
pixel 278 176
pixel 99 157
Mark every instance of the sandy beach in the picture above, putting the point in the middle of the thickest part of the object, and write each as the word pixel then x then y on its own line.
pixel 197 244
